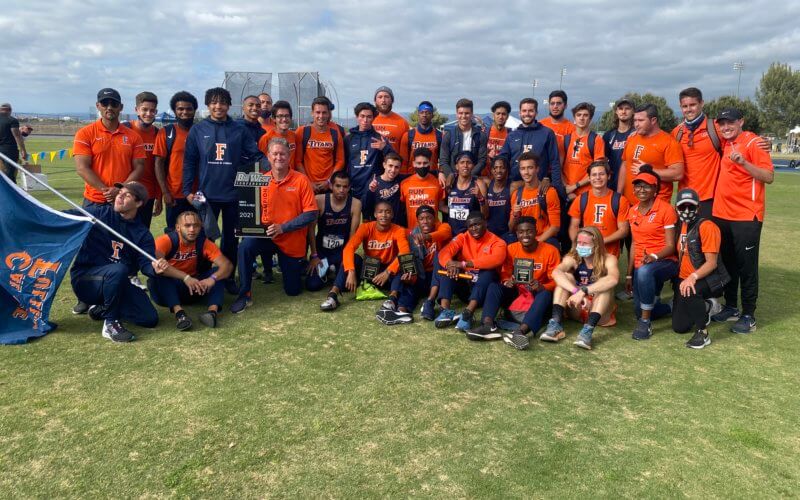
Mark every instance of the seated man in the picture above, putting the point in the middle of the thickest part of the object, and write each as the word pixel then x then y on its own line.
pixel 100 272
pixel 586 279
pixel 187 250
pixel 339 217
pixel 529 288
pixel 288 207
pixel 379 239
pixel 472 260
pixel 426 239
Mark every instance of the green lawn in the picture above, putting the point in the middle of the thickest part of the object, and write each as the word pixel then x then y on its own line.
pixel 285 400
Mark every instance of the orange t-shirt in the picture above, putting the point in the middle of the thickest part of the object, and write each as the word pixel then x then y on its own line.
pixel 659 150
pixel 560 129
pixel 268 125
pixel 545 258
pixel 290 137
pixel 415 192
pixel 420 141
pixel 384 245
pixel 440 236
pixel 489 252
pixel 185 259
pixel 281 202
pixel 701 160
pixel 530 207
pixel 710 241
pixel 148 178
pixel 319 159
pixel 175 160
pixel 648 230
pixel 599 214
pixel 392 127
pixel 493 146
pixel 738 195
pixel 577 159
pixel 112 154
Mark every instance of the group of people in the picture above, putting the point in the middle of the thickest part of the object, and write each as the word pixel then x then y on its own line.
pixel 527 225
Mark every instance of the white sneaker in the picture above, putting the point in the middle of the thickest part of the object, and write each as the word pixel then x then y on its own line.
pixel 135 281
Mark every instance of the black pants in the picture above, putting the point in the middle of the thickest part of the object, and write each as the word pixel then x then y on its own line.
pixel 230 219
pixel 739 252
pixel 690 312
pixel 181 205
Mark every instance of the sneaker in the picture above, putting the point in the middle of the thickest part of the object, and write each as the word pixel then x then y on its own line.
pixel 231 287
pixel 444 319
pixel 209 318
pixel 389 305
pixel 643 330
pixel 622 295
pixel 428 310
pixel 726 314
pixel 484 332
pixel 331 303
pixel 699 340
pixel 464 323
pixel 80 308
pixel 135 281
pixel 114 331
pixel 97 312
pixel 585 338
pixel 182 321
pixel 745 324
pixel 516 339
pixel 390 317
pixel 268 278
pixel 240 304
pixel 554 332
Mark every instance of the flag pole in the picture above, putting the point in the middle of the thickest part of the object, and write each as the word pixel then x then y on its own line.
pixel 92 218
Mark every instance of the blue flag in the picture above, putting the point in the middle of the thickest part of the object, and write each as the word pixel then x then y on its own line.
pixel 37 244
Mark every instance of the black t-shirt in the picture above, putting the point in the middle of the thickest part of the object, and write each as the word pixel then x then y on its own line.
pixel 7 141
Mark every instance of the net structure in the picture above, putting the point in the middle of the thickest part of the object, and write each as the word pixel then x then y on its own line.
pixel 299 89
pixel 244 83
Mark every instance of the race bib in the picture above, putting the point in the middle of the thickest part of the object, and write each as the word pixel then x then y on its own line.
pixel 459 213
pixel 332 242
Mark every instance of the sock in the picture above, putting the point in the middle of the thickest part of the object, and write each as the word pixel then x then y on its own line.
pixel 558 313
pixel 594 319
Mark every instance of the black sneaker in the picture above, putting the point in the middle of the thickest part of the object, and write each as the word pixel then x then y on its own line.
pixel 745 324
pixel 517 340
pixel 114 331
pixel 97 312
pixel 643 330
pixel 726 314
pixel 209 318
pixel 484 332
pixel 80 308
pixel 182 321
pixel 240 304
pixel 389 317
pixel 699 340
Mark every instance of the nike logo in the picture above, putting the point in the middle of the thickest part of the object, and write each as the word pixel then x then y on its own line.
pixel 171 133
pixel 206 136
pixel 749 248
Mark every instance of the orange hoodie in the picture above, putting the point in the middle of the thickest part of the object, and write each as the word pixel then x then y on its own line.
pixel 385 245
pixel 488 252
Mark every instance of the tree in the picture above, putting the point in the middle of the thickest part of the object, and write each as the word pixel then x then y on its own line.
pixel 666 117
pixel 778 98
pixel 752 116
pixel 437 121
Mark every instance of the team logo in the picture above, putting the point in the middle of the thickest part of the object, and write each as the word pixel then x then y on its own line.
pixel 599 213
pixel 116 248
pixel 124 139
pixel 652 217
pixel 221 147
pixel 638 152
pixel 364 153
pixel 577 148
pixel 526 147
pixel 379 245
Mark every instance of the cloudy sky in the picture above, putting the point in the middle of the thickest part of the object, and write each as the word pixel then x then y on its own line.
pixel 56 54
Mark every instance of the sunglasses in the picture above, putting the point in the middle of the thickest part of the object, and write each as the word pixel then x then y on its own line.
pixel 110 103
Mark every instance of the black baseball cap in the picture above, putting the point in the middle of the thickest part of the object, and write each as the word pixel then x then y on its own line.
pixel 622 101
pixel 136 189
pixel 730 114
pixel 108 93
pixel 689 196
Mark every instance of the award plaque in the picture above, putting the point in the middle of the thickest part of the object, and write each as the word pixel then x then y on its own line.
pixel 248 183
pixel 372 266
pixel 523 270
pixel 407 264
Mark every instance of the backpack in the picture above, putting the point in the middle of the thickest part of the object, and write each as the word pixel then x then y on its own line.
pixel 413 133
pixel 615 197
pixel 203 265
pixel 712 134
pixel 170 136
pixel 334 136
pixel 591 139
pixel 539 198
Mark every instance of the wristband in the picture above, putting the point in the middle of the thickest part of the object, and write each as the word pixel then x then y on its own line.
pixel 463 264
pixel 186 278
pixel 315 256
pixel 654 256
pixel 575 290
pixel 629 277
pixel 214 277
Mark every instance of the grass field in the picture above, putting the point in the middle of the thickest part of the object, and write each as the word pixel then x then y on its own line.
pixel 285 400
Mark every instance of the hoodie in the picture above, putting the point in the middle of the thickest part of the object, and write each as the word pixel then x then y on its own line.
pixel 363 161
pixel 542 141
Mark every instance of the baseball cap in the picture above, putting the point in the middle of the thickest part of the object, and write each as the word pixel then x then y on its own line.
pixel 468 154
pixel 646 177
pixel 425 208
pixel 622 101
pixel 386 89
pixel 730 114
pixel 133 187
pixel 689 196
pixel 108 93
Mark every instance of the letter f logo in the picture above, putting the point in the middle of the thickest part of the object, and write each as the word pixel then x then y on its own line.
pixel 221 146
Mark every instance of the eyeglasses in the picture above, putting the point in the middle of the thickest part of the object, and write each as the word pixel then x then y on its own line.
pixel 643 185
pixel 283 117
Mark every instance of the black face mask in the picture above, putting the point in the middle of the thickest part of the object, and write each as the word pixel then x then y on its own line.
pixel 688 216
pixel 266 114
pixel 422 172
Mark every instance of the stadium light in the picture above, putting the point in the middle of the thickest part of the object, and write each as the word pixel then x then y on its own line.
pixel 738 66
pixel 563 73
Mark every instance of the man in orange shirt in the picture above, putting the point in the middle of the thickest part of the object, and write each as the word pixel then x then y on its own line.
pixel 391 125
pixel 187 250
pixel 650 145
pixel 556 121
pixel 288 208
pixel 582 147
pixel 528 201
pixel 738 210
pixel 266 111
pixel 497 134
pixel 282 116
pixel 320 147
pixel 476 253
pixel 602 208
pixel 424 135
pixel 422 188
pixel 146 110
pixel 168 152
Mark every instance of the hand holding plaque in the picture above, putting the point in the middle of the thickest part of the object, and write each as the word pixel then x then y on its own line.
pixel 523 271
pixel 371 268
pixel 408 264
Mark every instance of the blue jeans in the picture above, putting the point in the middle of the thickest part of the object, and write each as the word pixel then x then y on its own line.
pixel 293 268
pixel 468 291
pixel 648 280
pixel 171 292
pixel 534 316
pixel 109 286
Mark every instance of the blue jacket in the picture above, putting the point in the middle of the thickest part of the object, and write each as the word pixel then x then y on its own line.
pixel 214 152
pixel 255 129
pixel 362 160
pixel 542 141
pixel 101 248
pixel 452 139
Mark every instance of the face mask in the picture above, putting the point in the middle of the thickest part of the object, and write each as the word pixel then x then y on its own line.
pixel 583 251
pixel 266 114
pixel 422 172
pixel 185 123
pixel 687 215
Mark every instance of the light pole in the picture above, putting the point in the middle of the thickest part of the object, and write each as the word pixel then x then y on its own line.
pixel 738 66
pixel 563 73
pixel 535 84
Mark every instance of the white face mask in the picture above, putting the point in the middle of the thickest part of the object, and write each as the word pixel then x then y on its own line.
pixel 583 250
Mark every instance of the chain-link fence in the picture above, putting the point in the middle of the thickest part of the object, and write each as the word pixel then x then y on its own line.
pixel 244 83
